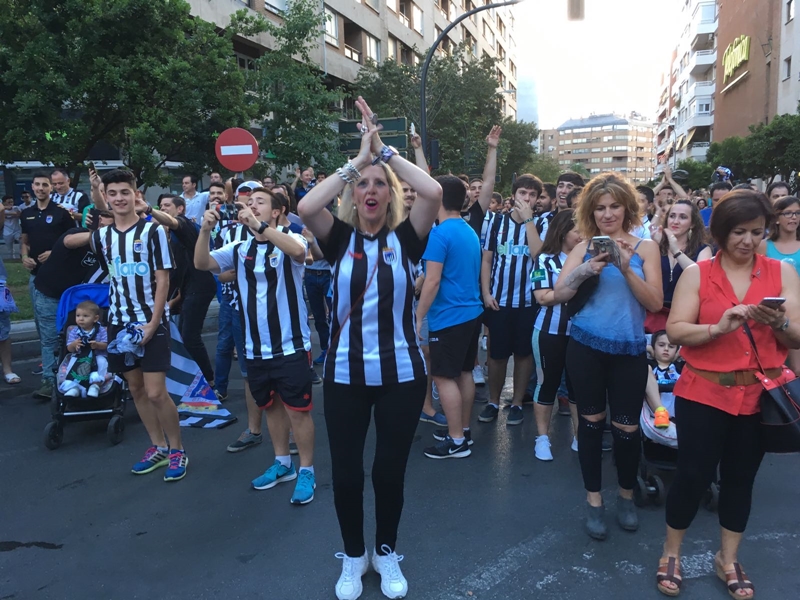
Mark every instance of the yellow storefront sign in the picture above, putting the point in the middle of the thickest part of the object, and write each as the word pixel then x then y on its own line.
pixel 736 53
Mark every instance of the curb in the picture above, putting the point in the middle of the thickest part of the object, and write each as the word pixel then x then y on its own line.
pixel 25 340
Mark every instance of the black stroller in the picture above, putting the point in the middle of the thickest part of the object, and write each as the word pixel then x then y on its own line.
pixel 110 403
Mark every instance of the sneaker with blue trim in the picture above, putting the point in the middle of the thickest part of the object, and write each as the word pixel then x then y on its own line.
pixel 436 418
pixel 276 474
pixel 320 360
pixel 178 461
pixel 304 488
pixel 153 459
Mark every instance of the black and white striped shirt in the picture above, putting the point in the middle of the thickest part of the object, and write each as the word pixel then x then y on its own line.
pixel 511 264
pixel 269 288
pixel 73 200
pixel 132 258
pixel 233 232
pixel 374 339
pixel 543 223
pixel 550 319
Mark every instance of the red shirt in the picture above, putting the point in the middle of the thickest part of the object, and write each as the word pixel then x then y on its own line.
pixel 732 351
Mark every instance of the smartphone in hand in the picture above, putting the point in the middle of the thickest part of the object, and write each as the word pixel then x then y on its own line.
pixel 604 244
pixel 773 303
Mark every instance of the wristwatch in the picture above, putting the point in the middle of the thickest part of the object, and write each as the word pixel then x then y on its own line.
pixel 387 152
pixel 264 226
pixel 678 254
pixel 783 327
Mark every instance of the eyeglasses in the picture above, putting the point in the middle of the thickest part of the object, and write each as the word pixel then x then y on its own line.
pixel 791 214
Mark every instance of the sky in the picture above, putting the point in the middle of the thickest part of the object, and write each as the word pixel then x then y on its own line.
pixel 610 62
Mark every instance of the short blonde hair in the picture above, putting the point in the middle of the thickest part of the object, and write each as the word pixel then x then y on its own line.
pixel 396 211
pixel 619 189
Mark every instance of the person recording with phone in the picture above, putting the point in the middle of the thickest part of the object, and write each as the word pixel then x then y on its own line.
pixel 717 398
pixel 607 341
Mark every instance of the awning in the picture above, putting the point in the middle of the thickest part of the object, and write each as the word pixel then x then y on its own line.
pixel 679 143
pixel 668 148
pixel 690 135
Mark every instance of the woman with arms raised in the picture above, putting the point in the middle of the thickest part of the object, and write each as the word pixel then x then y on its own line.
pixel 373 362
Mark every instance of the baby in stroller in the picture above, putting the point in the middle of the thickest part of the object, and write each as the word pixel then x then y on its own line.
pixel 86 365
pixel 659 402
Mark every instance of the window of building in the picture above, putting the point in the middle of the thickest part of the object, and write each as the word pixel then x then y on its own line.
pixel 595 149
pixel 392 5
pixel 789 10
pixel 403 14
pixel 416 18
pixel 596 159
pixel 331 27
pixel 373 48
pixel 787 67
pixel 392 52
pixel 501 54
pixel 512 69
pixel 244 62
pixel 275 5
pixel 703 108
pixel 606 159
pixel 472 43
pixel 592 171
pixel 373 4
pixel 501 28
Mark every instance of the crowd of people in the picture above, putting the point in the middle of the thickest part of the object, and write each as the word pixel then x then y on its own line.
pixel 632 309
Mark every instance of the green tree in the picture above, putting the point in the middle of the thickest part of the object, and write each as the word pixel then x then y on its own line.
pixel 463 105
pixel 291 91
pixel 544 166
pixel 142 75
pixel 700 173
pixel 774 149
pixel 580 170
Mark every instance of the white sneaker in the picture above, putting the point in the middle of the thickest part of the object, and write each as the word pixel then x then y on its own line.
pixel 349 586
pixel 574 444
pixel 477 376
pixel 94 391
pixel 542 449
pixel 393 584
pixel 73 392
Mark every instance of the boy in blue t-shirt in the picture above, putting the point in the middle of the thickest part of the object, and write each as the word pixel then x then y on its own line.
pixel 451 299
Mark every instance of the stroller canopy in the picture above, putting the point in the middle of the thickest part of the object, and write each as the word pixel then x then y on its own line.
pixel 96 292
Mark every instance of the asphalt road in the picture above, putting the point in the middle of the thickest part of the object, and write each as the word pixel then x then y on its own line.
pixel 74 523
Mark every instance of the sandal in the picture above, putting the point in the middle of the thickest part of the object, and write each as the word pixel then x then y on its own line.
pixel 12 378
pixel 669 570
pixel 735 579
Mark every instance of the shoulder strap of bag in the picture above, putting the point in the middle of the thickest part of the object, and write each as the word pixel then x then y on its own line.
pixel 749 334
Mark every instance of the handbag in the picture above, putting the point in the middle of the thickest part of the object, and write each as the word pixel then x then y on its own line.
pixel 780 409
pixel 582 295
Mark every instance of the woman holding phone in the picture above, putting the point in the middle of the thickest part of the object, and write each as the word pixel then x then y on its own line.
pixel 717 395
pixel 607 343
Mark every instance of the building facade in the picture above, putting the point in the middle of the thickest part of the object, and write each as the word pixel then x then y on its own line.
pixel 789 47
pixel 604 143
pixel 685 114
pixel 359 30
pixel 749 66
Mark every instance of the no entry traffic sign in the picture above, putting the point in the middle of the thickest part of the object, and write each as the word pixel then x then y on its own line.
pixel 237 149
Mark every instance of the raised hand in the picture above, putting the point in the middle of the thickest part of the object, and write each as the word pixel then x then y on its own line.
pixel 493 139
pixel 210 218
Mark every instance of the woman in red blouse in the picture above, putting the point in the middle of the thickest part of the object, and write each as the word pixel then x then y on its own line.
pixel 717 396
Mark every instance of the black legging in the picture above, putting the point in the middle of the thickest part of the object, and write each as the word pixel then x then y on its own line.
pixel 348 410
pixel 550 356
pixel 708 437
pixel 618 380
pixel 193 314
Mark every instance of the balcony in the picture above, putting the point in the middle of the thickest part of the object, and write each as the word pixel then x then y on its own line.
pixel 702 61
pixel 698 150
pixel 699 120
pixel 700 88
pixel 704 25
pixel 662 126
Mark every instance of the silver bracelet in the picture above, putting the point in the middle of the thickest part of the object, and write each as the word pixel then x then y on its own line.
pixel 351 169
pixel 345 177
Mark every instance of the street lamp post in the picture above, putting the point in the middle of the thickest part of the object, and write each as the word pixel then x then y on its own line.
pixel 423 109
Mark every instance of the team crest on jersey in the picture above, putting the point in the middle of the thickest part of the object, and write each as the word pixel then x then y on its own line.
pixel 138 246
pixel 273 260
pixel 48 219
pixel 389 255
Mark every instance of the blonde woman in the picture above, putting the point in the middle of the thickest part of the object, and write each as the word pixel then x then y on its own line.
pixel 607 341
pixel 374 362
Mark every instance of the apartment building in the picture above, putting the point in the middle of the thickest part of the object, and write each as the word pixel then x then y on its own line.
pixel 685 115
pixel 359 30
pixel 788 87
pixel 604 143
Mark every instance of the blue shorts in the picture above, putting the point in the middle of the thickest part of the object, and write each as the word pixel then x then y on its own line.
pixel 5 326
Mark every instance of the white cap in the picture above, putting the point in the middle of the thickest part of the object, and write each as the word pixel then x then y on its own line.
pixel 248 185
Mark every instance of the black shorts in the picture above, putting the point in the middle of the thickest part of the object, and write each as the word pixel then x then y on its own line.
pixel 288 377
pixel 510 330
pixel 157 353
pixel 453 349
